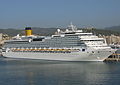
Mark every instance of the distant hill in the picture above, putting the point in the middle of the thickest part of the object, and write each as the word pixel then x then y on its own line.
pixel 105 32
pixel 44 31
pixel 11 32
pixel 50 31
pixel 113 28
pixel 36 30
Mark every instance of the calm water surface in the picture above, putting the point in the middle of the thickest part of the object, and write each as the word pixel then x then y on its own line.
pixel 35 72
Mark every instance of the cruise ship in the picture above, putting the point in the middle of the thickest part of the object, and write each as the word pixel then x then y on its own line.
pixel 69 44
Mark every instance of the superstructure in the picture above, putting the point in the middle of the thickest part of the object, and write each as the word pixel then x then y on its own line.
pixel 69 45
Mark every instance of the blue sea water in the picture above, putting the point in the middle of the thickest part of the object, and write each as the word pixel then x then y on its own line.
pixel 36 72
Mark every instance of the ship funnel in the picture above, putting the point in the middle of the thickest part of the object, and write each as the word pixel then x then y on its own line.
pixel 28 31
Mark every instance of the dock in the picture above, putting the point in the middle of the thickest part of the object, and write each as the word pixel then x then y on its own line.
pixel 113 57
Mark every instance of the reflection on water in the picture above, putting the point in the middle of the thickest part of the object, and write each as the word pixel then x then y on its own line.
pixel 35 72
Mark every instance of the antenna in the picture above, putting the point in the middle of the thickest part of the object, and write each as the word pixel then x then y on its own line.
pixel 72 27
pixel 71 23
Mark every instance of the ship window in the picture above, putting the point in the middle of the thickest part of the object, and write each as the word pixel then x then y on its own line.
pixel 38 39
pixel 83 49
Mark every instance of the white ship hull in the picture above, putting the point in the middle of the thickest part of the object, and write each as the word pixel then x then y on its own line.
pixel 73 56
pixel 68 45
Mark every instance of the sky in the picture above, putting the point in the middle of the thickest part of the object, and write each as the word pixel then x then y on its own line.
pixel 59 13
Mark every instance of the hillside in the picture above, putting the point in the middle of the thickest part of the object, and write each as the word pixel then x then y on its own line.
pixel 10 32
pixel 36 30
pixel 113 28
pixel 105 32
pixel 50 31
